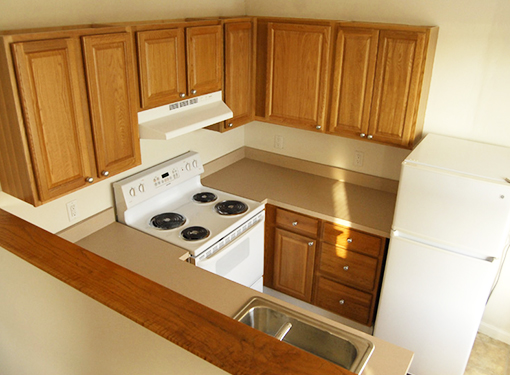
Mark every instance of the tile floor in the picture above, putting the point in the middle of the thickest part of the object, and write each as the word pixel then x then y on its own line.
pixel 489 357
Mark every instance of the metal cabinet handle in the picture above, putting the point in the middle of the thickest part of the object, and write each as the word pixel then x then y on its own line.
pixel 349 240
pixel 230 124
pixel 362 135
pixel 182 95
pixel 294 223
pixel 310 243
pixel 193 92
pixel 89 180
pixel 318 127
pixel 346 268
pixel 105 173
pixel 341 302
pixel 370 136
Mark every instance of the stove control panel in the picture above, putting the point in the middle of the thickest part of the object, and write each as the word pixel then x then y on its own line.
pixel 155 180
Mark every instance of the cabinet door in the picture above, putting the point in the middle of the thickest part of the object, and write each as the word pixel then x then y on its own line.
pixel 54 99
pixel 297 74
pixel 110 78
pixel 162 66
pixel 397 86
pixel 293 264
pixel 353 80
pixel 239 94
pixel 204 46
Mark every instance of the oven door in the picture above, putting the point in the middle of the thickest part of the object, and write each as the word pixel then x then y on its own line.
pixel 242 260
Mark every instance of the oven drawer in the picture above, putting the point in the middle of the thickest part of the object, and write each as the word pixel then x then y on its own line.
pixel 348 267
pixel 297 223
pixel 348 302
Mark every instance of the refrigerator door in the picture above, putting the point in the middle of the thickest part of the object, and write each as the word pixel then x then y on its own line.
pixel 431 303
pixel 454 211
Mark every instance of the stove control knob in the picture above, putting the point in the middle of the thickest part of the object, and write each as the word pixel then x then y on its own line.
pixel 195 165
pixel 188 166
pixel 132 192
pixel 141 188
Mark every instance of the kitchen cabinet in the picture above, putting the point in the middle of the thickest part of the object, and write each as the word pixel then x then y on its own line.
pixel 296 73
pixel 328 265
pixel 176 62
pixel 380 82
pixel 239 72
pixel 68 112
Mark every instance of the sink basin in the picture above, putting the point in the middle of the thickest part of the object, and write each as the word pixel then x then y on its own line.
pixel 333 344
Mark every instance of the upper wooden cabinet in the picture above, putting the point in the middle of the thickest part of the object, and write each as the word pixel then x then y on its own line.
pixel 175 63
pixel 239 72
pixel 380 82
pixel 68 112
pixel 296 74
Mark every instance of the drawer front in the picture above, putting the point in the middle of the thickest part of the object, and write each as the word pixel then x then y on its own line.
pixel 352 239
pixel 348 267
pixel 297 223
pixel 341 299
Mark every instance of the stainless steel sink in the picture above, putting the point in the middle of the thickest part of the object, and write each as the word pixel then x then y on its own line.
pixel 333 344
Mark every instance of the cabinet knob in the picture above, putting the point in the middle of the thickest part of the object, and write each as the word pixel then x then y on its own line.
pixel 230 124
pixel 294 223
pixel 341 302
pixel 370 136
pixel 349 240
pixel 89 180
pixel 105 173
pixel 362 135
pixel 193 92
pixel 318 127
pixel 310 243
pixel 182 95
pixel 346 268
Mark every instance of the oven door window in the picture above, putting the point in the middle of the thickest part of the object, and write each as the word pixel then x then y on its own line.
pixel 242 260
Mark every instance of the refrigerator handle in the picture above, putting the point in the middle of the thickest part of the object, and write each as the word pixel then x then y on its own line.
pixel 440 246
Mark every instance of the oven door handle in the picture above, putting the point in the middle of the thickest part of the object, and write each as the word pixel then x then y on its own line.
pixel 224 251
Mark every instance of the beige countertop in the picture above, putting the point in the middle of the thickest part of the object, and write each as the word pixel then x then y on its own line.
pixel 162 263
pixel 359 207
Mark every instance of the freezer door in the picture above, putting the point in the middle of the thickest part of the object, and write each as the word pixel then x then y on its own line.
pixel 431 303
pixel 455 211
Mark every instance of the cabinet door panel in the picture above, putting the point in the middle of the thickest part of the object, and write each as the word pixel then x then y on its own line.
pixel 54 103
pixel 162 64
pixel 294 263
pixel 354 72
pixel 297 74
pixel 110 80
pixel 204 45
pixel 397 86
pixel 239 92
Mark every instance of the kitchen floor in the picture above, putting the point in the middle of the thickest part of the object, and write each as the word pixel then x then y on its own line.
pixel 488 357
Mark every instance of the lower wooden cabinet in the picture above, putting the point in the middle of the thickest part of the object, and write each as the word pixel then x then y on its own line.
pixel 331 266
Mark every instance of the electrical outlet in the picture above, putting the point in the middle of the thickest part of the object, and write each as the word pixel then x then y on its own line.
pixel 72 210
pixel 278 142
pixel 358 158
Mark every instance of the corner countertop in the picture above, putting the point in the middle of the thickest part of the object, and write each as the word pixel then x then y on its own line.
pixel 356 206
pixel 162 262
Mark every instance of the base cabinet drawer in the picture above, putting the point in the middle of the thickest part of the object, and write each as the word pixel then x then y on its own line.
pixel 348 302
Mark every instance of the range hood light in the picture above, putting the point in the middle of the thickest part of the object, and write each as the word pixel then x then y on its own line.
pixel 185 116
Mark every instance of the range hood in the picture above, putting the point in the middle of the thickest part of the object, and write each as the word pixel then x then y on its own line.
pixel 170 121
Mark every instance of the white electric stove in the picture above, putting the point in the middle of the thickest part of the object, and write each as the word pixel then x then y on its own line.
pixel 224 233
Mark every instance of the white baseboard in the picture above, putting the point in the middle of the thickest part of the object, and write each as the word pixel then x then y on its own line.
pixel 494 332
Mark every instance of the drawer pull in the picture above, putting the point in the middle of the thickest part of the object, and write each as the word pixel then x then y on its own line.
pixel 349 240
pixel 294 223
pixel 310 243
pixel 346 268
pixel 341 302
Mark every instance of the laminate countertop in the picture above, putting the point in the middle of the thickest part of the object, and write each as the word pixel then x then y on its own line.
pixel 356 206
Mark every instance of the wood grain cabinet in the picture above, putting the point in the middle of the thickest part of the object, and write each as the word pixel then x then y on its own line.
pixel 296 73
pixel 179 62
pixel 239 72
pixel 68 112
pixel 380 82
pixel 331 266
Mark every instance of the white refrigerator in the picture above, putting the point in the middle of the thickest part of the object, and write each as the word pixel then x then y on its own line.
pixel 449 235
